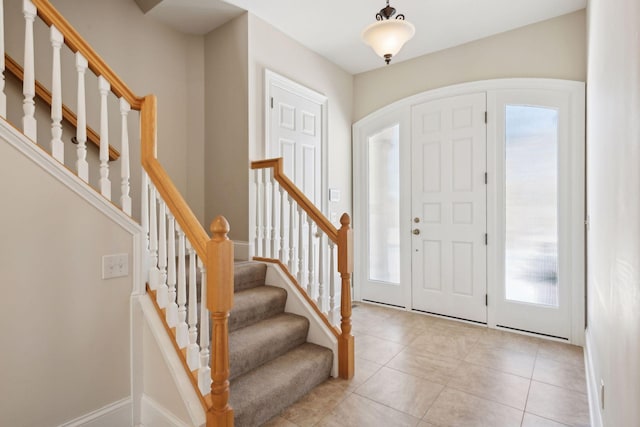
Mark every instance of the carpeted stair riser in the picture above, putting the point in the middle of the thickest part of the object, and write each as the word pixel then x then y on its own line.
pixel 248 275
pixel 259 395
pixel 253 305
pixel 251 347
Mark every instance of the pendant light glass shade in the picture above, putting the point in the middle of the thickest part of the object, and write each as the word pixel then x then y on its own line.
pixel 387 37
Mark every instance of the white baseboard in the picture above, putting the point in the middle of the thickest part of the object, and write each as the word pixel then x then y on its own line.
pixel 592 383
pixel 155 415
pixel 114 414
pixel 241 250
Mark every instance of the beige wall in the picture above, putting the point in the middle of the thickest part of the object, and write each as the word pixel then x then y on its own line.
pixel 236 56
pixel 555 48
pixel 273 50
pixel 65 331
pixel 226 127
pixel 613 183
pixel 151 58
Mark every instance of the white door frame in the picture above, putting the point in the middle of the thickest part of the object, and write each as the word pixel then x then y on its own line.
pixel 273 79
pixel 576 89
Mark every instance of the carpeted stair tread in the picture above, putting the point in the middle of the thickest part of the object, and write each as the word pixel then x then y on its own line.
pixel 248 274
pixel 262 393
pixel 255 304
pixel 259 343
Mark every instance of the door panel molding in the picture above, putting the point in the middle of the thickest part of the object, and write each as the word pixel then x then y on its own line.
pixel 273 79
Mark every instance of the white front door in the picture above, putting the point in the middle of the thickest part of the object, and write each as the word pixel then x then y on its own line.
pixel 295 134
pixel 449 207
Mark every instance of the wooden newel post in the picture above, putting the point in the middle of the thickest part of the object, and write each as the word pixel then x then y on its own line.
pixel 345 267
pixel 219 301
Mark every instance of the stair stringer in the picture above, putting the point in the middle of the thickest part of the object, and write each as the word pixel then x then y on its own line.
pixel 182 383
pixel 319 333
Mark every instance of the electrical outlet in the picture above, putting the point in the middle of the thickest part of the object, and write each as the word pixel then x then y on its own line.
pixel 116 265
pixel 334 217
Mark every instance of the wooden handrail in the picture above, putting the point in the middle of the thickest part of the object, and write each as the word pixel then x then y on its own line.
pixel 67 114
pixel 76 43
pixel 343 238
pixel 192 228
pixel 297 195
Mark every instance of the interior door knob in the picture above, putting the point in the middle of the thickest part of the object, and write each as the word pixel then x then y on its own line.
pixel 416 231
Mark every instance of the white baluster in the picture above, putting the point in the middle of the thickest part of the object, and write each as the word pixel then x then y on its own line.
pixel 300 274
pixel 172 307
pixel 204 373
pixel 332 283
pixel 274 218
pixel 144 222
pixel 154 273
pixel 81 130
pixel 192 349
pixel 29 125
pixel 57 147
pixel 283 211
pixel 163 289
pixel 125 198
pixel 182 330
pixel 292 222
pixel 310 258
pixel 3 96
pixel 105 184
pixel 258 176
pixel 321 267
pixel 265 214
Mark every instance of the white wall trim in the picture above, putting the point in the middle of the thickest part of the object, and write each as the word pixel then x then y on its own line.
pixel 465 88
pixel 156 415
pixel 40 157
pixel 117 413
pixel 592 382
pixel 176 369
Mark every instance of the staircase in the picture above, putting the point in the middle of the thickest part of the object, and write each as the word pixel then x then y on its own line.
pixel 272 364
pixel 235 355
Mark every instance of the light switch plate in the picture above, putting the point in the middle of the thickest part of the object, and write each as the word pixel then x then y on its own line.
pixel 116 265
pixel 334 195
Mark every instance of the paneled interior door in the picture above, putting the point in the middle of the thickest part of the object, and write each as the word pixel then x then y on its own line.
pixel 295 134
pixel 449 207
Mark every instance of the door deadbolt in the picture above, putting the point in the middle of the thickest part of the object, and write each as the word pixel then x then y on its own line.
pixel 416 220
pixel 416 231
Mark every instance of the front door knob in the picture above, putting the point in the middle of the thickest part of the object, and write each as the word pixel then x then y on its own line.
pixel 416 231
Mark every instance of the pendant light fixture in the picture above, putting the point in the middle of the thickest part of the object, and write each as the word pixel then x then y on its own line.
pixel 386 36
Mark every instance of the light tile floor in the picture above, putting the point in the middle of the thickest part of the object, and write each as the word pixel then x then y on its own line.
pixel 419 370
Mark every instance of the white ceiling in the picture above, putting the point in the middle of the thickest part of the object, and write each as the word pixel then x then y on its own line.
pixel 332 27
